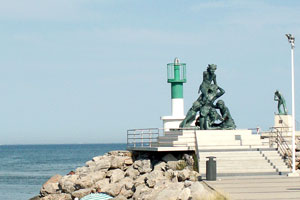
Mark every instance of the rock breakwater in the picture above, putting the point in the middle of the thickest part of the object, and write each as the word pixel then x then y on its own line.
pixel 126 176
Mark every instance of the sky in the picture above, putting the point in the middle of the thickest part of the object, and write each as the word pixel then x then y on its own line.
pixel 86 71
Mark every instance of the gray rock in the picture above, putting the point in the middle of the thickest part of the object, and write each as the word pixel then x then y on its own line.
pixel 197 190
pixel 171 192
pixel 90 163
pixel 183 175
pixel 128 161
pixel 187 183
pixel 67 183
pixel 102 183
pixel 82 171
pixel 112 189
pixel 98 175
pixel 97 158
pixel 127 183
pixel 189 159
pixel 298 146
pixel 169 157
pixel 170 174
pixel 132 173
pixel 161 166
pixel 85 182
pixel 184 194
pixel 172 165
pixel 81 193
pixel 120 153
pixel 62 196
pixel 194 176
pixel 51 186
pixel 116 175
pixel 117 162
pixel 153 177
pixel 141 190
pixel 126 193
pixel 143 166
pixel 104 163
pixel 119 197
pixel 140 180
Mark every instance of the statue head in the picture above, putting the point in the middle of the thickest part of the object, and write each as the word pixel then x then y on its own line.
pixel 213 114
pixel 220 104
pixel 211 68
pixel 277 93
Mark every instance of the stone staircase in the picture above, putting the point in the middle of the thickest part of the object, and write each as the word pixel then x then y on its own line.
pixel 237 152
pixel 239 162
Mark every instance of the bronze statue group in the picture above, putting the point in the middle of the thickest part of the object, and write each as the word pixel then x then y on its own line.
pixel 212 116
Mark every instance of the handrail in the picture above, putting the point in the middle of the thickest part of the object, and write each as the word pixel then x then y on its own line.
pixel 148 137
pixel 143 137
pixel 282 144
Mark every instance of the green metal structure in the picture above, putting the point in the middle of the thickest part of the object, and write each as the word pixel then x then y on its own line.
pixel 176 76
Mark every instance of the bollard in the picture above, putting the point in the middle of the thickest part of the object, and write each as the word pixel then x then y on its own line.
pixel 211 169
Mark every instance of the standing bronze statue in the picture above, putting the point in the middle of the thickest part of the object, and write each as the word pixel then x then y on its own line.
pixel 208 116
pixel 281 103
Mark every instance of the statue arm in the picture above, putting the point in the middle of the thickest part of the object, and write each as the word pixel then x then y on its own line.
pixel 220 93
pixel 215 79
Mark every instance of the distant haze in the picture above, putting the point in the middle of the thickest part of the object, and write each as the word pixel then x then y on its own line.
pixel 85 71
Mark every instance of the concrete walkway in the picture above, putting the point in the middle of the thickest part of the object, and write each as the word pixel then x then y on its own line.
pixel 258 187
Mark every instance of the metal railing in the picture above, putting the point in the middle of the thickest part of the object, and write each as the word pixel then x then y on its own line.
pixel 143 137
pixel 282 144
pixel 149 137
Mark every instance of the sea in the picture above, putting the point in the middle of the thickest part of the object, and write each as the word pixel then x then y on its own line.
pixel 24 168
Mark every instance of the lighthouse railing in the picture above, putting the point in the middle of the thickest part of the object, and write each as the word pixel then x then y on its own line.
pixel 143 137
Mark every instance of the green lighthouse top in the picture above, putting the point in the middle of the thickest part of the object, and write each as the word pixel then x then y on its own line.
pixel 176 72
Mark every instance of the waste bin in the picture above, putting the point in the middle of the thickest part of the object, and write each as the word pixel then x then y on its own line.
pixel 211 169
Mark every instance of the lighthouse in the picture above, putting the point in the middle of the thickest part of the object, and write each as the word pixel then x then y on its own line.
pixel 176 73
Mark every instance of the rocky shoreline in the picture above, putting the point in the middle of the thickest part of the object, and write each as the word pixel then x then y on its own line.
pixel 126 176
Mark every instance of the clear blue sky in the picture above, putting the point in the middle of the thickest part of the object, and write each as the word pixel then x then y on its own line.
pixel 85 71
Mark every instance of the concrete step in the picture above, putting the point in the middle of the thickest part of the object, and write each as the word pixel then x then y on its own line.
pixel 230 147
pixel 233 171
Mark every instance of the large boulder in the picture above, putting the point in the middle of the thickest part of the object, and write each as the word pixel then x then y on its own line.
pixel 120 153
pixel 116 175
pixel 102 183
pixel 51 186
pixel 161 166
pixel 132 173
pixel 141 190
pixel 183 175
pixel 170 193
pixel 154 177
pixel 140 180
pixel 184 194
pixel 90 163
pixel 67 183
pixel 117 162
pixel 143 166
pixel 84 182
pixel 103 163
pixel 198 191
pixel 81 193
pixel 113 189
pixel 84 171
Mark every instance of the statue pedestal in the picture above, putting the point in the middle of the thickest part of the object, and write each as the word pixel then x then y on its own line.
pixel 171 122
pixel 284 123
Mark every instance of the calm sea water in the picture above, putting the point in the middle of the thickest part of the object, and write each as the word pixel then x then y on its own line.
pixel 24 168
